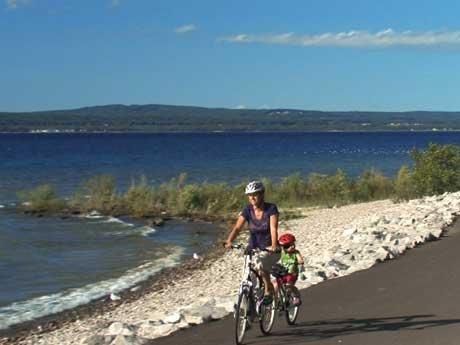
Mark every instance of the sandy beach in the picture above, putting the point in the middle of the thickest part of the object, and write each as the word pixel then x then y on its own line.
pixel 334 241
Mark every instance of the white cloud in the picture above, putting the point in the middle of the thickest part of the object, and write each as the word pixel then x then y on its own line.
pixel 241 106
pixel 385 38
pixel 14 4
pixel 185 29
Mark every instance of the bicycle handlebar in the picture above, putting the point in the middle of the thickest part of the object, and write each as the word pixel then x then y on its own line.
pixel 243 246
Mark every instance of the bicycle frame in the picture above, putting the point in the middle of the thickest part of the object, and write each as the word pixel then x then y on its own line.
pixel 246 283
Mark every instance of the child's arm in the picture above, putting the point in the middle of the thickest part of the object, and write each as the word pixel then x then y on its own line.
pixel 300 258
pixel 301 267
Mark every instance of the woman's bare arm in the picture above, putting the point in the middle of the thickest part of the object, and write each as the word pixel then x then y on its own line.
pixel 274 231
pixel 235 231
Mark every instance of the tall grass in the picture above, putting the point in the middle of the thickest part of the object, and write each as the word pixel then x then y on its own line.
pixel 435 171
pixel 97 193
pixel 41 199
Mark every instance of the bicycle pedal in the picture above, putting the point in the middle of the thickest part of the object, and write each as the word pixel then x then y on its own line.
pixel 248 324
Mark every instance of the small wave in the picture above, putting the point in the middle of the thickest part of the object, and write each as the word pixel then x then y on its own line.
pixel 93 215
pixel 117 220
pixel 146 230
pixel 2 206
pixel 41 306
pixel 142 231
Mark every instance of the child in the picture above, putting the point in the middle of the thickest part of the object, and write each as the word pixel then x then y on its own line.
pixel 290 259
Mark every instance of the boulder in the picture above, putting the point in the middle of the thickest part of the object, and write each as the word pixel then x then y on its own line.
pixel 172 318
pixel 120 328
pixel 338 265
pixel 409 221
pixel 151 330
pixel 219 313
pixel 381 254
pixel 227 302
pixel 127 340
pixel 97 340
pixel 199 315
pixel 155 317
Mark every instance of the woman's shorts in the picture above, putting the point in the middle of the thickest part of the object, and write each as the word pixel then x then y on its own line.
pixel 265 260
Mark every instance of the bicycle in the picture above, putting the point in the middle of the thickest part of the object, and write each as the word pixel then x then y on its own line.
pixel 250 304
pixel 285 296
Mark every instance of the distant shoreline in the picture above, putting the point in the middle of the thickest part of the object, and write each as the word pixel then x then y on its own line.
pixel 232 132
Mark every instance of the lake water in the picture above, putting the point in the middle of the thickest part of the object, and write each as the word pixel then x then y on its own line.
pixel 48 264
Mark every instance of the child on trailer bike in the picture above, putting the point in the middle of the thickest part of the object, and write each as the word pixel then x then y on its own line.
pixel 262 218
pixel 291 264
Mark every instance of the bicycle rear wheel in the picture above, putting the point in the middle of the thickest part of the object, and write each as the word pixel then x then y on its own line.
pixel 241 317
pixel 292 311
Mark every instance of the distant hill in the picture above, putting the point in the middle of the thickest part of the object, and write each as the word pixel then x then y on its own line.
pixel 168 118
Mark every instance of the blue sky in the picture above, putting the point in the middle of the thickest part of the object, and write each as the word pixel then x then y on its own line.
pixel 325 55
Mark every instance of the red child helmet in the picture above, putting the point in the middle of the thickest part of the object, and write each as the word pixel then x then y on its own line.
pixel 286 239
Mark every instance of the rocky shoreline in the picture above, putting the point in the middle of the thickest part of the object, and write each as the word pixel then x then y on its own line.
pixel 334 241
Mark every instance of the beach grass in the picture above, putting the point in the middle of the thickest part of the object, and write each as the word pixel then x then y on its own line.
pixel 434 171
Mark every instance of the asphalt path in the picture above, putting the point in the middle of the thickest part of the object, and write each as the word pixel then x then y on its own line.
pixel 414 299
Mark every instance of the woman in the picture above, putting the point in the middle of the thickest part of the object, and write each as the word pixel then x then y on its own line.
pixel 262 218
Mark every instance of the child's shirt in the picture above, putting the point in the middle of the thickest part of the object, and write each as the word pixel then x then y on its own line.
pixel 290 262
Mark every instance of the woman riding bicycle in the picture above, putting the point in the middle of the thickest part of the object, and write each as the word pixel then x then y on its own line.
pixel 262 218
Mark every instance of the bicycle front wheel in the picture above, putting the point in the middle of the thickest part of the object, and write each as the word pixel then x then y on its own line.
pixel 267 317
pixel 241 317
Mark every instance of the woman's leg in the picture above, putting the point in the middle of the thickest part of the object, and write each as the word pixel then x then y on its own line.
pixel 267 283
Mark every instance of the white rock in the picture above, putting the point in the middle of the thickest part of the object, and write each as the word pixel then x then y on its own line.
pixel 182 324
pixel 195 317
pixel 155 317
pixel 350 231
pixel 152 331
pixel 97 340
pixel 127 340
pixel 219 313
pixel 120 328
pixel 436 233
pixel 381 254
pixel 226 302
pixel 172 318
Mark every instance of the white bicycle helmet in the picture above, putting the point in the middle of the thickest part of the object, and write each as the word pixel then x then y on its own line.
pixel 254 187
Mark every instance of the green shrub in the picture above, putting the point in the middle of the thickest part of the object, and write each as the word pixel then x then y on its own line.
pixel 404 188
pixel 328 190
pixel 97 193
pixel 292 190
pixel 139 199
pixel 372 185
pixel 338 186
pixel 41 199
pixel 436 170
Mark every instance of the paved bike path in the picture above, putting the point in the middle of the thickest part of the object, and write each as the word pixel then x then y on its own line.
pixel 414 299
